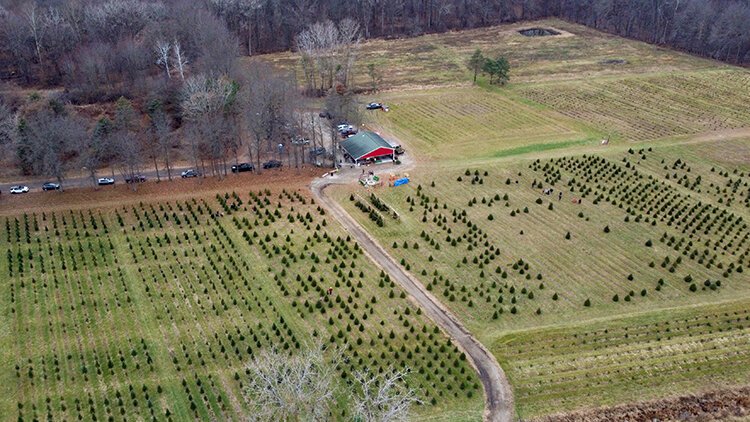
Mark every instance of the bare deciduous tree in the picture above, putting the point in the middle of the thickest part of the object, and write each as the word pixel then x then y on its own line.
pixel 268 109
pixel 290 388
pixel 126 140
pixel 382 397
pixel 207 105
pixel 302 386
pixel 159 127
pixel 51 143
pixel 35 21
pixel 328 52
pixel 8 127
pixel 179 58
pixel 163 54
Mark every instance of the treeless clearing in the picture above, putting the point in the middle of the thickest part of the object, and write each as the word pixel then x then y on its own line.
pixel 439 59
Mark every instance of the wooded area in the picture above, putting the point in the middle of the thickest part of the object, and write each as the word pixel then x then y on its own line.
pixel 83 43
pixel 161 67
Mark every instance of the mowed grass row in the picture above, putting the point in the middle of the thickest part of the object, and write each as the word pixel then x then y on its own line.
pixel 507 258
pixel 628 359
pixel 652 107
pixel 440 59
pixel 470 123
pixel 152 311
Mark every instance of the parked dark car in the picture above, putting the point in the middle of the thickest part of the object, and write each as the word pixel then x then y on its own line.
pixel 314 152
pixel 136 178
pixel 50 186
pixel 272 164
pixel 242 167
pixel 374 106
pixel 189 173
pixel 325 114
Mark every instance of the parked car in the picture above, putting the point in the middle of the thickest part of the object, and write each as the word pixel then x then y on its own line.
pixel 314 152
pixel 374 106
pixel 103 181
pixel 50 186
pixel 346 129
pixel 19 189
pixel 301 141
pixel 189 173
pixel 242 167
pixel 272 164
pixel 325 114
pixel 136 178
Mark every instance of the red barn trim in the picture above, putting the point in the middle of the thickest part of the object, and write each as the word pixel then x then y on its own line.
pixel 380 152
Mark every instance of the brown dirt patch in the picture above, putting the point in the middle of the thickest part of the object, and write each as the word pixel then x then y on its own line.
pixel 178 189
pixel 727 404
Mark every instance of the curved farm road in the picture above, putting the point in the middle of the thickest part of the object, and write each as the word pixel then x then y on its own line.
pixel 497 391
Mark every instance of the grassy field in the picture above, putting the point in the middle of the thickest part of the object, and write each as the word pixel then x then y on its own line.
pixel 151 311
pixel 654 106
pixel 526 270
pixel 471 123
pixel 480 123
pixel 440 59
pixel 640 290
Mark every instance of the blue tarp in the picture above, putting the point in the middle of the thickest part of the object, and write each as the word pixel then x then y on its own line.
pixel 400 182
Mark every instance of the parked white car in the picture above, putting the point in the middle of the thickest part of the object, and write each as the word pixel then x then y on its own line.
pixel 105 181
pixel 19 189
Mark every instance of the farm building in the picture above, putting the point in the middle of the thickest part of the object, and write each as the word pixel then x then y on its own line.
pixel 368 146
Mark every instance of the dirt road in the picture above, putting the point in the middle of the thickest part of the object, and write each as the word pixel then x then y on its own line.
pixel 498 394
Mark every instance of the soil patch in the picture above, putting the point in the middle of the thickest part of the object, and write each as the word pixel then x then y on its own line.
pixel 538 32
pixel 714 405
pixel 613 62
pixel 151 191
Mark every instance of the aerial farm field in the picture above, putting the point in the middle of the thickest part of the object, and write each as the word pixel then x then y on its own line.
pixel 152 310
pixel 626 281
pixel 646 275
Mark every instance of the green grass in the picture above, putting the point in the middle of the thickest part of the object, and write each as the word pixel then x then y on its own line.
pixel 484 275
pixel 527 149
pixel 474 123
pixel 156 307
pixel 578 316
pixel 628 359
pixel 651 107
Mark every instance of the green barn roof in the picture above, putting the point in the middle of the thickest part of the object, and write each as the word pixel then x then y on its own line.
pixel 364 143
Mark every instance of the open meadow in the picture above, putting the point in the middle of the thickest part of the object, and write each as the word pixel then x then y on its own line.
pixel 151 310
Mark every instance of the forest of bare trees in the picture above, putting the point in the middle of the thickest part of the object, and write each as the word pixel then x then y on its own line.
pixel 102 47
pixel 126 81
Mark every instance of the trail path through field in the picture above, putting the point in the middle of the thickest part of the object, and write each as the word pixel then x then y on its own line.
pixel 497 390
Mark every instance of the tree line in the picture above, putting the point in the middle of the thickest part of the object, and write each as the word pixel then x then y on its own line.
pixel 104 47
pixel 166 72
pixel 258 114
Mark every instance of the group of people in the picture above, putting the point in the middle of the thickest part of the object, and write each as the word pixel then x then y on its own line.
pixel 550 191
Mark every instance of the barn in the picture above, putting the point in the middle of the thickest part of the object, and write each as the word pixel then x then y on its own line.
pixel 368 146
